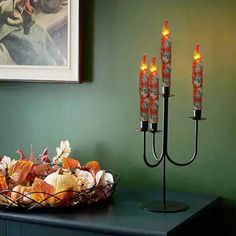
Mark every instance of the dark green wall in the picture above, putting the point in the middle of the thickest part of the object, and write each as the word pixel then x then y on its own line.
pixel 100 116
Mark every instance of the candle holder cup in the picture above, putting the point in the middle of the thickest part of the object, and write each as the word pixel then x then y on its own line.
pixel 164 205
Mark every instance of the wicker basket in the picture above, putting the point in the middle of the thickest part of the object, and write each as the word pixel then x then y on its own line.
pixel 94 195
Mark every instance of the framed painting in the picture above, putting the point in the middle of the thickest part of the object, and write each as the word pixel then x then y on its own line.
pixel 39 40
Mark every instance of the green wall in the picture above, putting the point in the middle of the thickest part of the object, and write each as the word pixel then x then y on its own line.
pixel 100 116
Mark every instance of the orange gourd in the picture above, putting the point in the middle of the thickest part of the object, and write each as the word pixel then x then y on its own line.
pixel 18 193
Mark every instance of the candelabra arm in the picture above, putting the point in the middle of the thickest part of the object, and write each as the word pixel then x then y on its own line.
pixel 154 147
pixel 153 152
pixel 195 149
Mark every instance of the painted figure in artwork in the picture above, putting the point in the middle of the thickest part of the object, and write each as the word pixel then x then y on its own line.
pixel 22 40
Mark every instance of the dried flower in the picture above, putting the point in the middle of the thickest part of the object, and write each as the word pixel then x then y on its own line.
pixel 85 179
pixel 5 163
pixel 104 178
pixel 44 156
pixel 62 152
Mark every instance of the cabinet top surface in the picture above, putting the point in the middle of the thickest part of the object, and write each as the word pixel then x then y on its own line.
pixel 123 215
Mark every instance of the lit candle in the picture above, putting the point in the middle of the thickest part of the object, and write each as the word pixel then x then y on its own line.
pixel 144 93
pixel 153 95
pixel 166 55
pixel 197 82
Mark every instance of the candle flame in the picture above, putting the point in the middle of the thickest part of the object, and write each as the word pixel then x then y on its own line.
pixel 153 66
pixel 165 30
pixel 143 64
pixel 197 54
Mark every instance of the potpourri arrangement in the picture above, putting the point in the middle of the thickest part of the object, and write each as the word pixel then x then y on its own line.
pixel 61 182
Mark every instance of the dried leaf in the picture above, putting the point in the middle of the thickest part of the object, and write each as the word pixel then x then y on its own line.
pixel 69 163
pixel 44 156
pixel 94 165
pixel 22 155
pixel 31 157
pixel 42 192
pixel 19 170
pixel 39 169
pixel 3 183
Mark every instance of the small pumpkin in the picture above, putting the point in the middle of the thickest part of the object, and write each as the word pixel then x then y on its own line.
pixel 64 184
pixel 18 193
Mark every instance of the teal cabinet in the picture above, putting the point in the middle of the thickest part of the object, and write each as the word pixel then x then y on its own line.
pixel 13 228
pixel 41 230
pixel 3 228
pixel 122 216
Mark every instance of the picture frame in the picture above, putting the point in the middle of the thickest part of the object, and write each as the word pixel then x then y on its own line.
pixel 49 64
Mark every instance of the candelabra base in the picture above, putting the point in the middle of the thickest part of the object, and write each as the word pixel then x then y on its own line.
pixel 170 206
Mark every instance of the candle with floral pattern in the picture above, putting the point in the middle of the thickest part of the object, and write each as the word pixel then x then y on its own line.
pixel 153 95
pixel 144 90
pixel 197 69
pixel 166 55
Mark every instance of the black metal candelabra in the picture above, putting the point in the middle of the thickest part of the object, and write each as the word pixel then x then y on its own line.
pixel 164 205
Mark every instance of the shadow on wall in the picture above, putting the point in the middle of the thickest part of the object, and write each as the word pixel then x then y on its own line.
pixel 86 40
pixel 229 217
